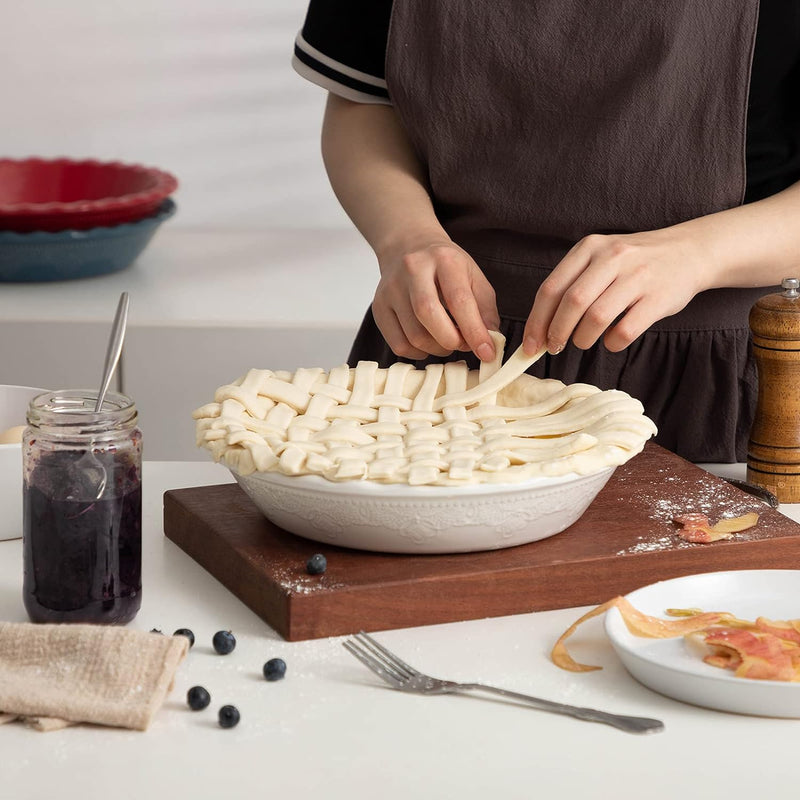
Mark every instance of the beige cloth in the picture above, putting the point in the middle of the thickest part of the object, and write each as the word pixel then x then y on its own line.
pixel 57 675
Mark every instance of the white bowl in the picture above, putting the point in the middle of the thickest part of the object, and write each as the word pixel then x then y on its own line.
pixel 397 518
pixel 13 407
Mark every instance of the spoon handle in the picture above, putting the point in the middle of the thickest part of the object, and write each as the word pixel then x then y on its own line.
pixel 114 347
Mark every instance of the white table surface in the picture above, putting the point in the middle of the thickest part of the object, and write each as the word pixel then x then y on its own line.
pixel 331 729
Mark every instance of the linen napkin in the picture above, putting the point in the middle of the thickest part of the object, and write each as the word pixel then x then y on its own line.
pixel 57 675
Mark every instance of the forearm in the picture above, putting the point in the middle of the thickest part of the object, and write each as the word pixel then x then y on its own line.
pixel 377 176
pixel 757 244
pixel 432 297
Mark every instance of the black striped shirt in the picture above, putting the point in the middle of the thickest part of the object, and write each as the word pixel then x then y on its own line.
pixel 342 47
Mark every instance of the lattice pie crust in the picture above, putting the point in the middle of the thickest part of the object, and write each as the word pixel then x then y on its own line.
pixel 444 425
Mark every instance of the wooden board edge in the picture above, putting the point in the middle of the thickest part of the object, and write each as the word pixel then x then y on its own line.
pixel 453 599
pixel 267 601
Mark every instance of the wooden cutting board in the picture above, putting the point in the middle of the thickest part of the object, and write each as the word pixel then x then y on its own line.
pixel 625 540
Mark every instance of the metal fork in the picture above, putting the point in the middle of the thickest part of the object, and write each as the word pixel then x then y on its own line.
pixel 400 675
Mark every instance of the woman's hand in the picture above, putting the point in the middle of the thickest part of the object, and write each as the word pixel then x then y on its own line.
pixel 615 287
pixel 432 299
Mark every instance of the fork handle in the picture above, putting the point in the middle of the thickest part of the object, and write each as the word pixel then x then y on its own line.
pixel 625 723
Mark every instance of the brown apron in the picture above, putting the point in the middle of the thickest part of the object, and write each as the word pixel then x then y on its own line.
pixel 540 122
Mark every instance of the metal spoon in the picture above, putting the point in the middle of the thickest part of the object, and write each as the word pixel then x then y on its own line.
pixel 114 348
pixel 88 463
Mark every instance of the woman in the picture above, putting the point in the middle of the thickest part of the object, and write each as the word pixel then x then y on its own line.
pixel 613 180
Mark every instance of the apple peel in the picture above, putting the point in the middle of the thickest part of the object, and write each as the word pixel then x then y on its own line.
pixel 762 650
pixel 749 653
pixel 696 527
pixel 638 623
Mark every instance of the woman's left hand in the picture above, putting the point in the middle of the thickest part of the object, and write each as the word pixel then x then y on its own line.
pixel 615 287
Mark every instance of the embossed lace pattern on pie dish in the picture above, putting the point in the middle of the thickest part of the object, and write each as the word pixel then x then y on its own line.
pixel 442 425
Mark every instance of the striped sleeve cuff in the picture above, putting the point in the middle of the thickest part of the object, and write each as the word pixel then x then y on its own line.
pixel 315 66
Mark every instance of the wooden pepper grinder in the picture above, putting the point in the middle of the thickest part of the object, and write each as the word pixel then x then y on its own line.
pixel 773 453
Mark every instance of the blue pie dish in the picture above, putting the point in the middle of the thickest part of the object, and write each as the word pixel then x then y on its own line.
pixel 68 254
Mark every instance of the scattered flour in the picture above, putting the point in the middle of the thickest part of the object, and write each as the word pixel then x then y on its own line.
pixel 704 495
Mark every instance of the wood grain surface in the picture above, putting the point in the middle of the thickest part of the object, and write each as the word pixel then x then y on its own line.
pixel 773 449
pixel 625 540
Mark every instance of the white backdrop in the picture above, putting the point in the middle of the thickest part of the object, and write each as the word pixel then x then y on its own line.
pixel 260 266
pixel 203 88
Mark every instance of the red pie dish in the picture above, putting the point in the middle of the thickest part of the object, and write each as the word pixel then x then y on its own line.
pixel 57 194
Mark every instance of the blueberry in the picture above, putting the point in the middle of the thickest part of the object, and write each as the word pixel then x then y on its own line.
pixel 187 633
pixel 198 698
pixel 228 716
pixel 275 669
pixel 224 642
pixel 317 564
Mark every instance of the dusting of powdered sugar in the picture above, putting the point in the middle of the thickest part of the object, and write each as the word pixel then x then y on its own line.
pixel 292 581
pixel 671 496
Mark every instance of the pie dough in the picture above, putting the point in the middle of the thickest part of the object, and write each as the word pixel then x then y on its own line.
pixel 442 425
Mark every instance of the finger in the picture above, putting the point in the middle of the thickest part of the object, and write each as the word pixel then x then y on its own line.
pixel 418 336
pixel 587 299
pixel 487 303
pixel 459 294
pixel 393 308
pixel 428 318
pixel 392 332
pixel 463 346
pixel 611 302
pixel 636 320
pixel 549 296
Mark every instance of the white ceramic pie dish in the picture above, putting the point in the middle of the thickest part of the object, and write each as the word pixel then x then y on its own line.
pixel 398 518
pixel 436 460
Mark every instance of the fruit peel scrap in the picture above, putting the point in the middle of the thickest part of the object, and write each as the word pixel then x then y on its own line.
pixel 749 653
pixel 763 650
pixel 638 623
pixel 697 529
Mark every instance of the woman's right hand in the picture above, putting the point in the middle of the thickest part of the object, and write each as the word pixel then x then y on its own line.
pixel 432 299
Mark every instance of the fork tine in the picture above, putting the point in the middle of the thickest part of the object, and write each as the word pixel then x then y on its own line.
pixel 387 656
pixel 378 659
pixel 375 666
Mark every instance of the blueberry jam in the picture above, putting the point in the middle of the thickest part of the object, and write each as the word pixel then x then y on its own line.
pixel 82 553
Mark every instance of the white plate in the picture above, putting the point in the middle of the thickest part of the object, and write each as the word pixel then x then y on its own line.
pixel 667 666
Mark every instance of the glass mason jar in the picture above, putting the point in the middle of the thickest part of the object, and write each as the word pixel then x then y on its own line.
pixel 82 508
